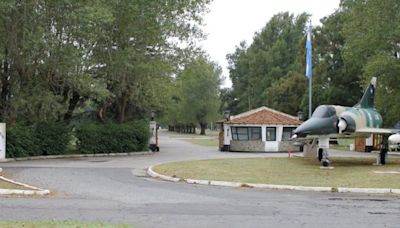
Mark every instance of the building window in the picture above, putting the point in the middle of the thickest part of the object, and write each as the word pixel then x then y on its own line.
pixel 255 133
pixel 240 133
pixel 271 134
pixel 287 133
pixel 246 133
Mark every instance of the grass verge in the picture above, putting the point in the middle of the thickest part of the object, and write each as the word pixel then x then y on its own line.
pixel 57 224
pixel 348 172
pixel 204 142
pixel 8 185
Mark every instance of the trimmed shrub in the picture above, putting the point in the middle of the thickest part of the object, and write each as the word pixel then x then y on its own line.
pixel 41 139
pixel 112 138
pixel 21 142
pixel 53 138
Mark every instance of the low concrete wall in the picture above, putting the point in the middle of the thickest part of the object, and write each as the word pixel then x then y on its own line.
pixel 286 145
pixel 247 146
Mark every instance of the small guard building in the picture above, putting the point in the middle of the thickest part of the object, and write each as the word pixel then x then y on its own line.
pixel 259 130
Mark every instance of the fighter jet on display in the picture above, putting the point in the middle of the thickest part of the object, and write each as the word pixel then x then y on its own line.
pixel 333 121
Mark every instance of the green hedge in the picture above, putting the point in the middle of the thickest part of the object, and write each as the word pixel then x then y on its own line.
pixel 40 139
pixel 112 138
pixel 54 138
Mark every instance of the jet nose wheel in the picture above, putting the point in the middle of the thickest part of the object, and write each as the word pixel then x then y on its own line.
pixel 323 157
pixel 320 154
pixel 325 163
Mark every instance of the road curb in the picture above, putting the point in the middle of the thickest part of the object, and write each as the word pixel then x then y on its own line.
pixel 74 156
pixel 154 174
pixel 34 191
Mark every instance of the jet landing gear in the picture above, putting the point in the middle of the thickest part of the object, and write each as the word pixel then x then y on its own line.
pixel 323 157
pixel 323 152
pixel 383 153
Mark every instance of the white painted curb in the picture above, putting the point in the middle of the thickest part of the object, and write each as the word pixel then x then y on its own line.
pixel 366 190
pixel 157 175
pixel 34 191
pixel 151 173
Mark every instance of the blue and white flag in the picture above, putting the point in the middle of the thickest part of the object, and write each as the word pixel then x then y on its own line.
pixel 309 54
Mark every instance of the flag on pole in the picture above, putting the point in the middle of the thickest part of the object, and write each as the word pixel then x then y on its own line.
pixel 309 54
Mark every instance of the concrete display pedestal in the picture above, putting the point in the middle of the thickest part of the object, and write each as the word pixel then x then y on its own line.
pixel 310 150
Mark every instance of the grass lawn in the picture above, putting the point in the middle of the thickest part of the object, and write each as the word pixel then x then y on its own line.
pixel 8 185
pixel 56 224
pixel 205 142
pixel 197 135
pixel 343 144
pixel 348 172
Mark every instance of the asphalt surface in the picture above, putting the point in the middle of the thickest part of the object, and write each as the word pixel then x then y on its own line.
pixel 116 190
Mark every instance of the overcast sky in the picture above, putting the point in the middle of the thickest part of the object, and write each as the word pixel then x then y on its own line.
pixel 231 21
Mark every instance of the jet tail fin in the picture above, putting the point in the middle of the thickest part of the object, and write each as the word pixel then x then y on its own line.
pixel 367 100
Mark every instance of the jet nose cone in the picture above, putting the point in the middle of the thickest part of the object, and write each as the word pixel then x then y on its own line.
pixel 303 130
pixel 316 126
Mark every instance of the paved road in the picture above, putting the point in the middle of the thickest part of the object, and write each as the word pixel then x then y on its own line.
pixel 116 190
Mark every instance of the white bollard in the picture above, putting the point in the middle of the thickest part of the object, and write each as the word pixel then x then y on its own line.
pixel 2 141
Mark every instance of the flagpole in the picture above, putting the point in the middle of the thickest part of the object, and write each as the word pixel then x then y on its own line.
pixel 309 67
pixel 309 97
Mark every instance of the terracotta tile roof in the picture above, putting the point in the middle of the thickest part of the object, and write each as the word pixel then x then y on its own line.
pixel 264 115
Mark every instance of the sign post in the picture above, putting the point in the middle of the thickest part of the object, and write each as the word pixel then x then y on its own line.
pixel 2 141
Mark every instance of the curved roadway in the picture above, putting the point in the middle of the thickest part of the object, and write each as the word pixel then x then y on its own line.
pixel 116 190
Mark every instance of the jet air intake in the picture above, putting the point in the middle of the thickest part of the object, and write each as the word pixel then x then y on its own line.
pixel 346 124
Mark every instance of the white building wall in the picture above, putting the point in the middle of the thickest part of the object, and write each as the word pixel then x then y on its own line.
pixel 269 145
pixel 263 133
pixel 279 133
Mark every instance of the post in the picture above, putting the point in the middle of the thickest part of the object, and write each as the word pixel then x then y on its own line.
pixel 310 98
pixel 309 67
pixel 2 141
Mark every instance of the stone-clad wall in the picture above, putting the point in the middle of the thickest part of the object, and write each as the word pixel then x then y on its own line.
pixel 286 145
pixel 247 146
pixel 259 146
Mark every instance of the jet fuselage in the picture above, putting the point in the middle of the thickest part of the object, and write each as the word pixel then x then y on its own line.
pixel 334 120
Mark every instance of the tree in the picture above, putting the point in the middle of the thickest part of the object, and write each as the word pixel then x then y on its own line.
pixel 46 57
pixel 199 84
pixel 272 55
pixel 283 94
pixel 372 34
pixel 335 80
pixel 137 55
pixel 60 58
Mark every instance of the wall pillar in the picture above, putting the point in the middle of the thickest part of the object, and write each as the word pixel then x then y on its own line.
pixel 263 133
pixel 2 141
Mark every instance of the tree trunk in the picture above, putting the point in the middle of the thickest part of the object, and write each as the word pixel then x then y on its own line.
pixel 73 101
pixel 121 110
pixel 203 128
pixel 193 131
pixel 5 84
